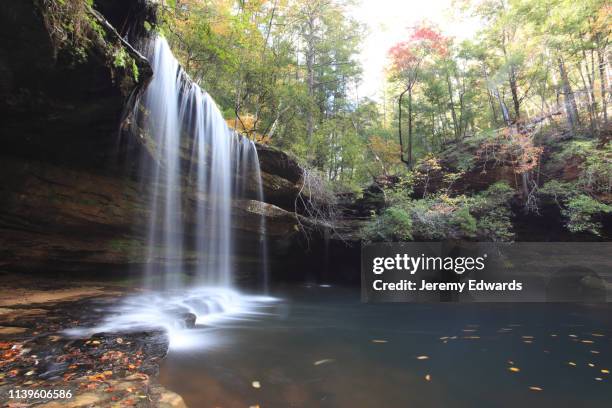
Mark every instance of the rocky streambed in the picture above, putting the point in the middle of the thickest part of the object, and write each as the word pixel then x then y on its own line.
pixel 105 369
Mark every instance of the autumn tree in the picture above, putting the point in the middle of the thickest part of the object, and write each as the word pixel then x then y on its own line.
pixel 408 60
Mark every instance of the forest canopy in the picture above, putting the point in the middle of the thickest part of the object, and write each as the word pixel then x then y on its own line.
pixel 532 85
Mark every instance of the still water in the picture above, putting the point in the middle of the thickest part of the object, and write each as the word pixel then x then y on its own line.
pixel 321 347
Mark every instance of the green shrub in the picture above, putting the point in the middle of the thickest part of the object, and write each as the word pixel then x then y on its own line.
pixel 578 208
pixel 485 216
pixel 580 211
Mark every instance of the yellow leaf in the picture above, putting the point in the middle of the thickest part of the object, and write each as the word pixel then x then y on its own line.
pixel 514 369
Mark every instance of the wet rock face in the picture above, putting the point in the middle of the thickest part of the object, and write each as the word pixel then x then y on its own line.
pixel 55 106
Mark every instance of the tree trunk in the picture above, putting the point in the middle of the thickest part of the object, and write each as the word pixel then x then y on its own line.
pixel 602 84
pixel 568 97
pixel 410 126
pixel 503 107
pixel 452 108
pixel 310 57
pixel 515 97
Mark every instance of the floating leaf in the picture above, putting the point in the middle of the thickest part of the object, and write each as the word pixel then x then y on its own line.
pixel 379 341
pixel 587 341
pixel 324 361
pixel 427 377
pixel 591 365
pixel 514 369
pixel 422 357
pixel 604 371
pixel 527 337
pixel 256 384
pixel 597 335
pixel 572 363
pixel 598 379
pixel 532 388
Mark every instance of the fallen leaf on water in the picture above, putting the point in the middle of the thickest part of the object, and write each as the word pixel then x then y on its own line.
pixel 594 352
pixel 572 363
pixel 468 330
pixel 553 335
pixel 514 369
pixel 324 361
pixel 604 371
pixel 379 341
pixel 527 341
pixel 597 335
pixel 510 362
pixel 527 337
pixel 535 388
pixel 587 341
pixel 598 379
pixel 256 384
pixel 471 337
pixel 572 335
pixel 591 365
pixel 422 357
pixel 428 377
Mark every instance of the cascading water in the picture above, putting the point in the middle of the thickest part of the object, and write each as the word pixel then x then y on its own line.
pixel 197 155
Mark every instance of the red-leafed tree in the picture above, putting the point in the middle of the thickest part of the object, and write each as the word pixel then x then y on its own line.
pixel 407 60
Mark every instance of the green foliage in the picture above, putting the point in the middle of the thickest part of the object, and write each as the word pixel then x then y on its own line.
pixel 485 216
pixel 121 57
pixel 595 164
pixel 394 224
pixel 579 209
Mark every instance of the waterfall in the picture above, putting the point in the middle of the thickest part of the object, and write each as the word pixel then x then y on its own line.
pixel 195 150
pixel 201 166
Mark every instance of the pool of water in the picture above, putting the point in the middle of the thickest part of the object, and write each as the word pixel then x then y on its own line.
pixel 321 347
